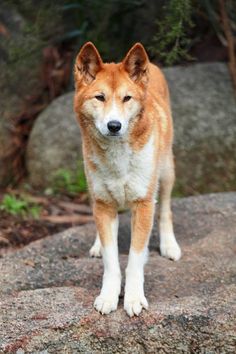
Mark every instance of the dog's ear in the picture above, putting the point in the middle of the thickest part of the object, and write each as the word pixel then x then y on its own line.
pixel 87 64
pixel 136 62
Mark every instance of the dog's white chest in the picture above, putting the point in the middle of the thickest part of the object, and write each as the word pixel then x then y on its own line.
pixel 123 175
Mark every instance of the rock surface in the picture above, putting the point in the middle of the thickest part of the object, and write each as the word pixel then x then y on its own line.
pixel 55 142
pixel 48 287
pixel 204 110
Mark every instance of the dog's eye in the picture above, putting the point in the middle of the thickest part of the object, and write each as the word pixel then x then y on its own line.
pixel 100 98
pixel 126 98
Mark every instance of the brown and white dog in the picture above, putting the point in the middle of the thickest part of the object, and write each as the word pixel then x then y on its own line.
pixel 125 118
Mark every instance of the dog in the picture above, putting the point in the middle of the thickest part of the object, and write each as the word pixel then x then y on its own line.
pixel 124 114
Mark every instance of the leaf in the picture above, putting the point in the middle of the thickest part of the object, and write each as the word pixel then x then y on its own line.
pixel 72 34
pixel 71 6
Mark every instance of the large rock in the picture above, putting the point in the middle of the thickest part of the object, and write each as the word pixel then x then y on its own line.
pixel 204 110
pixel 55 142
pixel 47 290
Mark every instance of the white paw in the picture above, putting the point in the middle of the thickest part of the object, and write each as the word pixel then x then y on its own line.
pixel 134 304
pixel 170 250
pixel 95 251
pixel 106 305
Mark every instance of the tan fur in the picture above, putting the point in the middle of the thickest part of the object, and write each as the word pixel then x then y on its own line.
pixel 155 118
pixel 126 170
pixel 104 214
pixel 142 220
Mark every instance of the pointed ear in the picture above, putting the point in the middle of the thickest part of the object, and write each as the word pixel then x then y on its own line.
pixel 136 62
pixel 87 64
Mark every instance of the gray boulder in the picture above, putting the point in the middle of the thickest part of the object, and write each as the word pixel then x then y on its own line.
pixel 204 110
pixel 55 142
pixel 47 290
pixel 203 103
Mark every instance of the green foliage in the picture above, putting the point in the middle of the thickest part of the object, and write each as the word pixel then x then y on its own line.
pixel 171 42
pixel 19 206
pixel 113 25
pixel 69 182
pixel 40 25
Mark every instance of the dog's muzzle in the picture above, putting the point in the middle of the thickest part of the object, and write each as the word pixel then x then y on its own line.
pixel 114 126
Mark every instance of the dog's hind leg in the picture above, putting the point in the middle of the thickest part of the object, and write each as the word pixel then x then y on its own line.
pixel 169 247
pixel 106 219
pixel 96 249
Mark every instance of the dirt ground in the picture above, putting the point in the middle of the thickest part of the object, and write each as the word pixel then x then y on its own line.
pixel 57 213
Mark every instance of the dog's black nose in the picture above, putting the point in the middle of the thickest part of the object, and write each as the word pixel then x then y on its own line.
pixel 114 126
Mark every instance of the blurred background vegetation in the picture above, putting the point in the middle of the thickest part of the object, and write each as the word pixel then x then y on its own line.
pixel 39 40
pixel 171 29
pixel 38 44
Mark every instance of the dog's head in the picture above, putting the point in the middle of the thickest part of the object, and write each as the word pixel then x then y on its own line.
pixel 110 96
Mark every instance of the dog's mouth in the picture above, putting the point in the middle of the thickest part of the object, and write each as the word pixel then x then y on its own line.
pixel 114 134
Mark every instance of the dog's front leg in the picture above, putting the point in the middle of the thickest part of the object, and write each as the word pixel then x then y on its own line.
pixel 142 221
pixel 106 219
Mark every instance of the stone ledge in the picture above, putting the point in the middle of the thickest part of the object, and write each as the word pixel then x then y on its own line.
pixel 48 287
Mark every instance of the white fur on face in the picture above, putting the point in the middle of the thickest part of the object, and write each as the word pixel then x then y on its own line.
pixel 102 115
